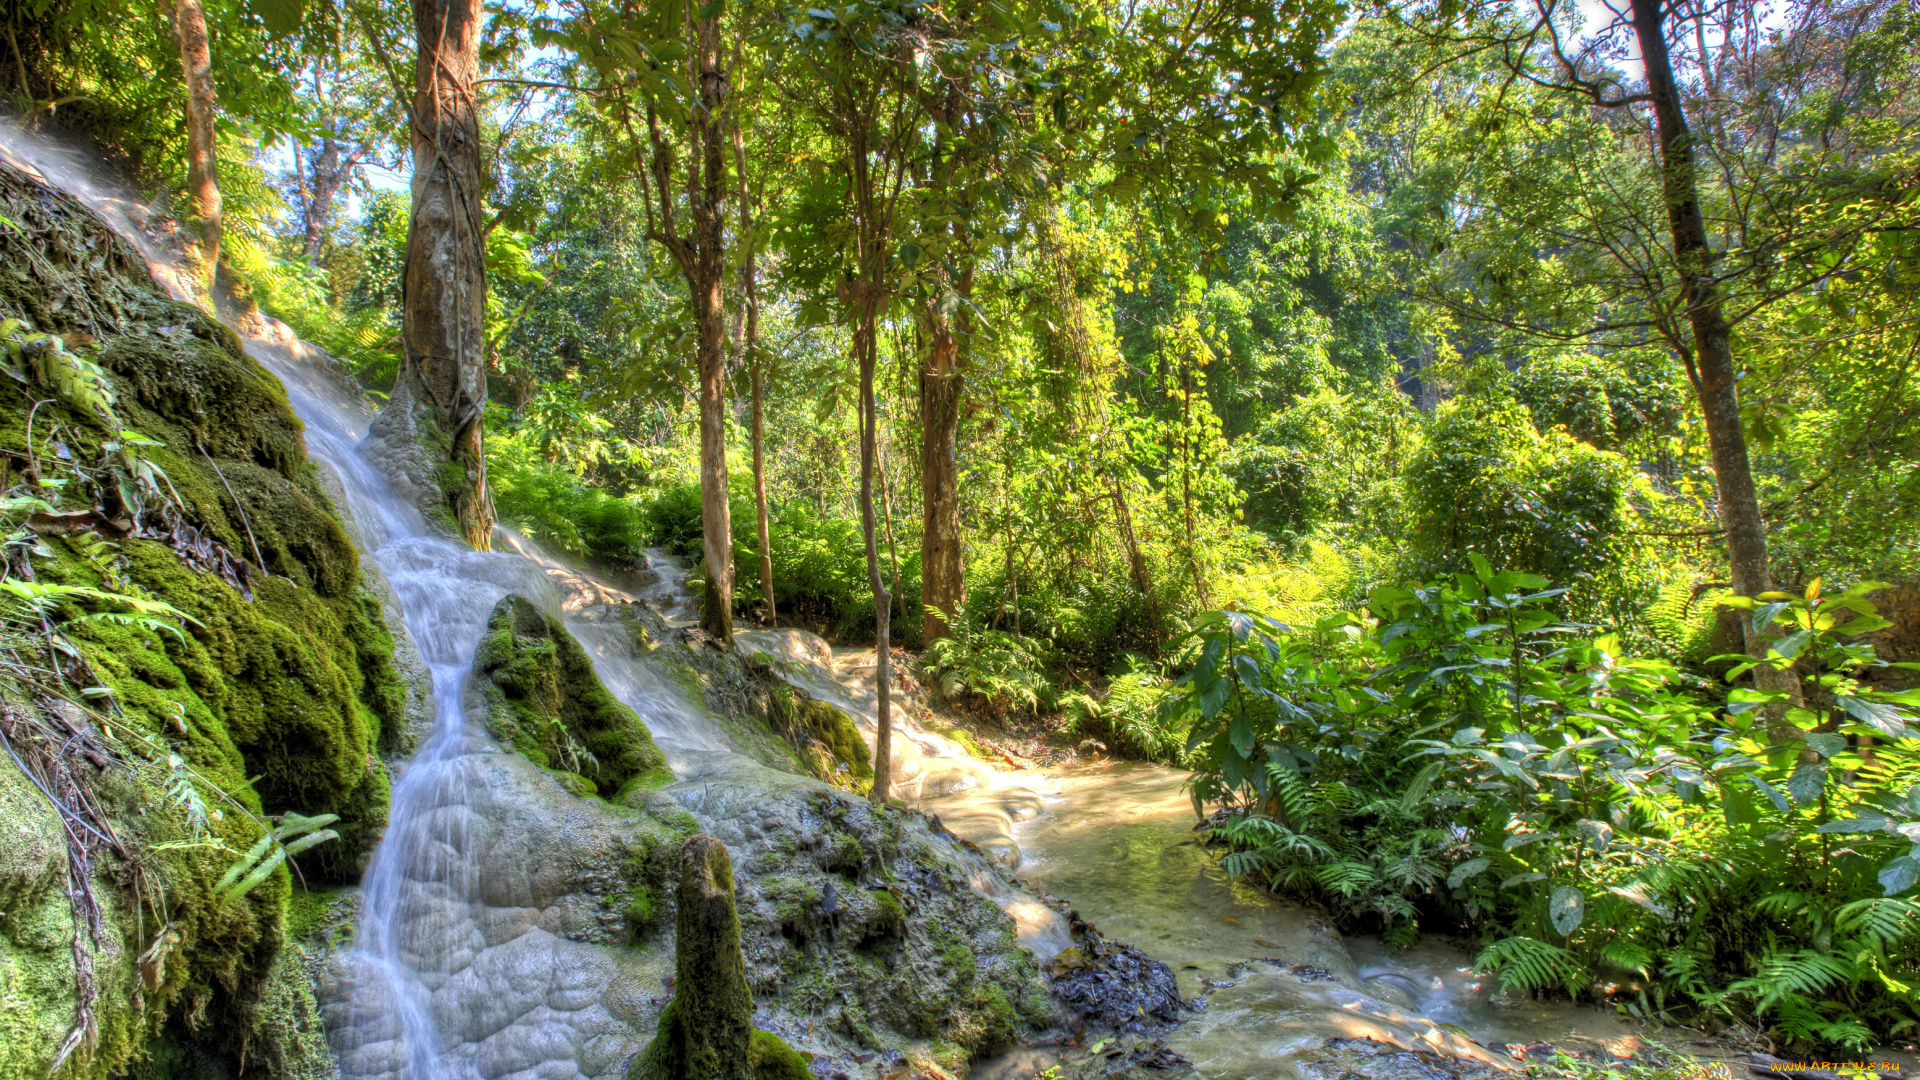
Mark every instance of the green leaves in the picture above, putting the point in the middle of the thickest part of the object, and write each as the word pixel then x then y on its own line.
pixel 279 16
pixel 295 834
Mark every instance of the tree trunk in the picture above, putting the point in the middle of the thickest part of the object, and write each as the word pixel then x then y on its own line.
pixel 864 344
pixel 203 188
pixel 444 283
pixel 886 515
pixel 708 210
pixel 1136 559
pixel 942 565
pixel 327 178
pixel 1711 365
pixel 751 350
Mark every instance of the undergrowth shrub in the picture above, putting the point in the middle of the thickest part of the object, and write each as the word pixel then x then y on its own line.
pixel 996 672
pixel 1459 757
pixel 550 503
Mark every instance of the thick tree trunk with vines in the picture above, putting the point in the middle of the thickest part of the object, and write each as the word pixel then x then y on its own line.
pixel 1711 364
pixel 444 285
pixel 189 21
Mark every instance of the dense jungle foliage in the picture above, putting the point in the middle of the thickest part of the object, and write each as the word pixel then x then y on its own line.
pixel 1487 453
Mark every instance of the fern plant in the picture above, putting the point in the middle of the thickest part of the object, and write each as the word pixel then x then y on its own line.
pixel 1458 753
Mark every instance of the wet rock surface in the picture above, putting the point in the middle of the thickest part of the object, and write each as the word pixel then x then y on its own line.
pixel 1111 986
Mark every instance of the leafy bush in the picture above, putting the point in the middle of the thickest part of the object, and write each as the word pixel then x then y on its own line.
pixel 1464 757
pixel 552 504
pixel 1486 483
pixel 999 672
pixel 1127 716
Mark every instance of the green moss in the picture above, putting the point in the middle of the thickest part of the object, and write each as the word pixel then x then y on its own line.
pixel 772 1059
pixel 544 699
pixel 1001 1023
pixel 889 919
pixel 643 910
pixel 828 740
pixel 281 698
pixel 269 698
pixel 307 909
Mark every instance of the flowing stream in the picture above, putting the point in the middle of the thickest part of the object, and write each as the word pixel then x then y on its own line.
pixel 462 970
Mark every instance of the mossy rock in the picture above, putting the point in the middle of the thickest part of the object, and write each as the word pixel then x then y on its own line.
pixel 279 698
pixel 772 1059
pixel 826 737
pixel 544 699
pixel 279 692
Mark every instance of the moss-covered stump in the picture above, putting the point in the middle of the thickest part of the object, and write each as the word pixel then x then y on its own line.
pixel 544 699
pixel 706 1030
pixel 168 466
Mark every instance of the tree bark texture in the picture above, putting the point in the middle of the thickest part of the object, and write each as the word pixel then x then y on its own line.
pixel 865 344
pixel 444 284
pixel 750 300
pixel 942 564
pixel 325 173
pixel 705 267
pixel 189 20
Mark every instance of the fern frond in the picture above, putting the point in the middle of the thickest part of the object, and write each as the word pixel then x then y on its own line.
pixel 1349 879
pixel 1525 963
pixel 1880 920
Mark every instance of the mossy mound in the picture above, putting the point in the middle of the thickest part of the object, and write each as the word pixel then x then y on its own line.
pixel 826 737
pixel 177 474
pixel 772 1059
pixel 544 699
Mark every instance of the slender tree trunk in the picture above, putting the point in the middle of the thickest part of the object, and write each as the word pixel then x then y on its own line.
pixel 203 187
pixel 1186 481
pixel 444 284
pixel 942 564
pixel 708 206
pixel 865 296
pixel 886 515
pixel 864 344
pixel 318 198
pixel 751 349
pixel 1136 559
pixel 1711 365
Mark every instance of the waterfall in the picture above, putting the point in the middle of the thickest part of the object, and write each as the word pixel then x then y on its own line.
pixel 428 910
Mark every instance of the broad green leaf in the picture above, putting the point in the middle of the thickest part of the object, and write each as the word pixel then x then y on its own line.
pixel 1899 875
pixel 1808 780
pixel 1884 718
pixel 1826 745
pixel 1772 793
pixel 1567 908
pixel 1466 870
